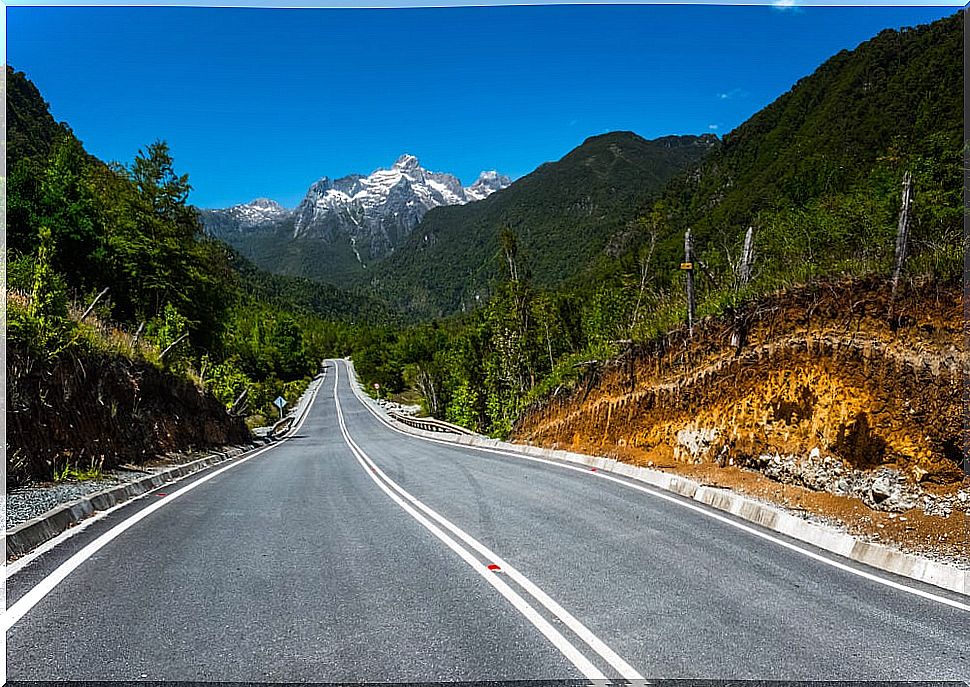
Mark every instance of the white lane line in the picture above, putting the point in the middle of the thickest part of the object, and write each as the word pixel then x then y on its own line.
pixel 16 566
pixel 23 605
pixel 681 501
pixel 567 648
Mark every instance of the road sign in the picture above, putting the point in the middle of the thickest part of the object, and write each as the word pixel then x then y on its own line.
pixel 279 403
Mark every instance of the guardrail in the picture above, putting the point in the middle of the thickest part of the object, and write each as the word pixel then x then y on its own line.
pixel 430 424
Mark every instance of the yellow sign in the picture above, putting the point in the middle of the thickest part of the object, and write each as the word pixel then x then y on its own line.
pixel 686 265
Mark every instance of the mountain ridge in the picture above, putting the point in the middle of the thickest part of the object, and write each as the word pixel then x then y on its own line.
pixel 564 213
pixel 358 217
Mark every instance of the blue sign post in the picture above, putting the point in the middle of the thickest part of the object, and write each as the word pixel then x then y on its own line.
pixel 279 403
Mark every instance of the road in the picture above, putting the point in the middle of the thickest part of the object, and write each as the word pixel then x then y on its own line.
pixel 354 552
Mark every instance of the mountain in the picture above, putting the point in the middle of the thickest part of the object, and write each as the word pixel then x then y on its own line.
pixel 31 130
pixel 256 214
pixel 343 225
pixel 817 172
pixel 563 214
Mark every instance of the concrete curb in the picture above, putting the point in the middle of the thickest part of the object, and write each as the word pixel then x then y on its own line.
pixel 769 517
pixel 32 533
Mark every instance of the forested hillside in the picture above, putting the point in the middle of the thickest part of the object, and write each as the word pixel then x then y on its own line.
pixel 170 299
pixel 563 215
pixel 329 263
pixel 817 175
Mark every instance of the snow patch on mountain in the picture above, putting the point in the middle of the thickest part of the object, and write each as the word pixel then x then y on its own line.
pixel 256 213
pixel 486 184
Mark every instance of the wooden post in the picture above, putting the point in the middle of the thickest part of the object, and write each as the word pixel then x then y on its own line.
pixel 747 259
pixel 93 303
pixel 688 266
pixel 902 235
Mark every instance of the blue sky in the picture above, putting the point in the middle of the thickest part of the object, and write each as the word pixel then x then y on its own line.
pixel 262 102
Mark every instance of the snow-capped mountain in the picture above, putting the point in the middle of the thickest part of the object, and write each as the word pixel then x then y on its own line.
pixel 253 215
pixel 486 184
pixel 374 213
pixel 378 211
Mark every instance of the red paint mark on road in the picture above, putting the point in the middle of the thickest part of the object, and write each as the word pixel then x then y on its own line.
pixel 493 567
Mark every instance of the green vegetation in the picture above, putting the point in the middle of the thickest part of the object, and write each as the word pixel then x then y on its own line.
pixel 314 259
pixel 817 174
pixel 73 473
pixel 564 214
pixel 77 226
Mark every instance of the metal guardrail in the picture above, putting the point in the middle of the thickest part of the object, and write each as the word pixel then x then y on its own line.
pixel 430 424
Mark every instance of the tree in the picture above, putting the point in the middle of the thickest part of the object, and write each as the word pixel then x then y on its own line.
pixel 155 178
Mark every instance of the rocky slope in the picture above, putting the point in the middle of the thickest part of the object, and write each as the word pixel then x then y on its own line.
pixel 818 373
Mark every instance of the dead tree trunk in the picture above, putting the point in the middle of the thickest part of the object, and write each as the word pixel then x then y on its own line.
pixel 239 405
pixel 747 259
pixel 93 303
pixel 902 236
pixel 134 341
pixel 173 345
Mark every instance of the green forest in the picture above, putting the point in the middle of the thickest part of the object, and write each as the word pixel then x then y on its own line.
pixel 77 226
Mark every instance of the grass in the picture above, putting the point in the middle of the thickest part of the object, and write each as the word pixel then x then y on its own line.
pixel 73 473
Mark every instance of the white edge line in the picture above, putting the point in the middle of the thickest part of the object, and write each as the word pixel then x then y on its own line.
pixel 16 566
pixel 692 506
pixel 24 604
pixel 599 646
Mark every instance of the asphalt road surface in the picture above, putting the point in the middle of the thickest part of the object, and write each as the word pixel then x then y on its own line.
pixel 355 552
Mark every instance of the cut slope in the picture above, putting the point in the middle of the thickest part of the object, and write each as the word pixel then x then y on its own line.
pixel 814 368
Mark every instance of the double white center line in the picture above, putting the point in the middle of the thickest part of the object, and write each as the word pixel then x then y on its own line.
pixel 440 527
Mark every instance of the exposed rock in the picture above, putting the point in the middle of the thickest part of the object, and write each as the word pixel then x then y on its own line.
pixel 884 489
pixel 881 490
pixel 697 441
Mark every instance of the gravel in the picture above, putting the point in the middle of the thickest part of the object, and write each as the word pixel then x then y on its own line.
pixel 29 502
pixel 392 406
pixel 884 489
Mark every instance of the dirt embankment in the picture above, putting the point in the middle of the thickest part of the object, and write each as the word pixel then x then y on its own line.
pixel 101 410
pixel 816 387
